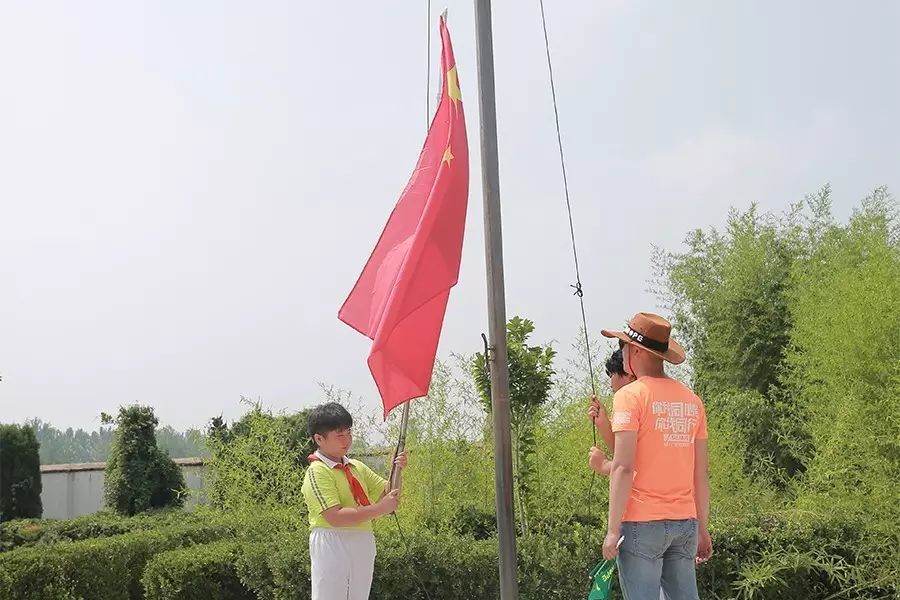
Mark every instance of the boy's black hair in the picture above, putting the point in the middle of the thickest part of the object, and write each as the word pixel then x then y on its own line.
pixel 614 364
pixel 326 418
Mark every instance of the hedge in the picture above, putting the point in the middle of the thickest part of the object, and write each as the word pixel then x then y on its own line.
pixel 31 532
pixel 103 569
pixel 451 567
pixel 196 573
pixel 783 555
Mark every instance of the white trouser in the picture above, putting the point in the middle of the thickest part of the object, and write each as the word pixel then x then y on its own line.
pixel 343 561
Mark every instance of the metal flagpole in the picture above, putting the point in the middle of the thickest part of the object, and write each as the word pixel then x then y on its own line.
pixel 493 243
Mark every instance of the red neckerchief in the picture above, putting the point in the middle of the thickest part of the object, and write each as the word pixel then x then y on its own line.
pixel 359 492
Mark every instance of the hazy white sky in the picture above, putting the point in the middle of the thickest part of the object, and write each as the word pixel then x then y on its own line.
pixel 188 190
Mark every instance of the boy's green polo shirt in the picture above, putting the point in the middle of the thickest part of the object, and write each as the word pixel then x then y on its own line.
pixel 325 487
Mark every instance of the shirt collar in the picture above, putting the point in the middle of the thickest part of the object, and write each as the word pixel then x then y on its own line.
pixel 328 462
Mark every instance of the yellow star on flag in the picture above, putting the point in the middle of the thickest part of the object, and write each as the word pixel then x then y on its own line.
pixel 448 156
pixel 453 86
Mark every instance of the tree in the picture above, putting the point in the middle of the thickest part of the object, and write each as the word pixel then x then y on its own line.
pixel 729 297
pixel 530 379
pixel 843 366
pixel 139 475
pixel 259 460
pixel 71 446
pixel 20 473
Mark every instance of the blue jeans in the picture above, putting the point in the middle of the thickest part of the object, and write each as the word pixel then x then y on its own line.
pixel 658 553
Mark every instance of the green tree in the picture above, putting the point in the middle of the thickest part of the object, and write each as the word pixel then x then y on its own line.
pixel 139 475
pixel 177 444
pixel 20 473
pixel 728 293
pixel 258 460
pixel 843 366
pixel 530 380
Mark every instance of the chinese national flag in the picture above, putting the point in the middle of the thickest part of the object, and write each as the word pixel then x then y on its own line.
pixel 401 296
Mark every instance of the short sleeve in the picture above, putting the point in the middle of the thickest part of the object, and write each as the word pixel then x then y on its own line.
pixel 320 490
pixel 373 482
pixel 626 411
pixel 702 433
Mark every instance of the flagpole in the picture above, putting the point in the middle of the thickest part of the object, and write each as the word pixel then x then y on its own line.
pixel 493 244
pixel 394 479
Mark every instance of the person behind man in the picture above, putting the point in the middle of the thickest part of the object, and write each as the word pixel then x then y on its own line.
pixel 659 482
pixel 618 379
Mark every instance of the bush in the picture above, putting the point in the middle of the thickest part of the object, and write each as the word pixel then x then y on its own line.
pixel 20 473
pixel 782 554
pixel 96 568
pixel 140 476
pixel 106 523
pixel 844 365
pixel 260 461
pixel 196 573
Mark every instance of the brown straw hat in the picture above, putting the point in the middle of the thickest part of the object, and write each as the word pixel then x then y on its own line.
pixel 652 333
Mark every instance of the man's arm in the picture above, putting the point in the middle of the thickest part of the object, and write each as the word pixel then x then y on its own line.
pixel 701 482
pixel 701 498
pixel 620 478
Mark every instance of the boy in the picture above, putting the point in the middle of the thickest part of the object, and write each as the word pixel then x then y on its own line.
pixel 343 496
pixel 618 379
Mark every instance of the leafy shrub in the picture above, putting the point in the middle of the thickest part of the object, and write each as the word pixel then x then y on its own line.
pixel 778 554
pixel 260 461
pixel 20 473
pixel 106 523
pixel 196 573
pixel 95 568
pixel 139 475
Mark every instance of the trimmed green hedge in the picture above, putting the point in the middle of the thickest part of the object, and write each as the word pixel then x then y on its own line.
pixel 197 573
pixel 775 557
pixel 106 568
pixel 33 532
pixel 782 555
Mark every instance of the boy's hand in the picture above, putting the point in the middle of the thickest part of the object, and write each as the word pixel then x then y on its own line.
pixel 596 410
pixel 400 460
pixel 389 502
pixel 597 459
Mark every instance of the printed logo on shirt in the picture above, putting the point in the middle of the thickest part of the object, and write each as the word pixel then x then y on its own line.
pixel 677 421
pixel 621 417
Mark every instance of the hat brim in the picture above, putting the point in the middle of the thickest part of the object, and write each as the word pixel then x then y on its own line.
pixel 675 354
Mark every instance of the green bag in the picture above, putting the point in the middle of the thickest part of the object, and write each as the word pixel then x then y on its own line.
pixel 601 580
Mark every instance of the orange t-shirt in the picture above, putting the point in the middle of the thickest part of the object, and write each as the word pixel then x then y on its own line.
pixel 667 417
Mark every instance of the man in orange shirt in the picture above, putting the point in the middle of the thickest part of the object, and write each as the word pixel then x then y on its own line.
pixel 659 483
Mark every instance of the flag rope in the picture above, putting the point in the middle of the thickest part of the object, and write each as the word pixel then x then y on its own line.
pixel 579 290
pixel 401 435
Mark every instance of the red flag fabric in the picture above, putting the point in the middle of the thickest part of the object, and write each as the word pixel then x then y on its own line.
pixel 401 296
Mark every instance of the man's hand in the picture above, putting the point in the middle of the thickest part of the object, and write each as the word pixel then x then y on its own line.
pixel 598 462
pixel 611 545
pixel 400 460
pixel 389 502
pixel 704 546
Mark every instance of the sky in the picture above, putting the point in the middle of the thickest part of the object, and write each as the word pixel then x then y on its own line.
pixel 188 190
